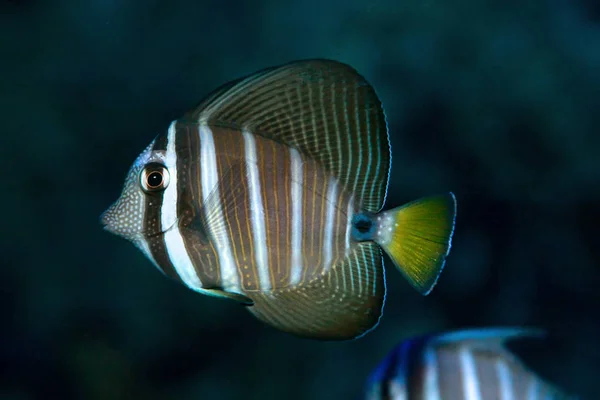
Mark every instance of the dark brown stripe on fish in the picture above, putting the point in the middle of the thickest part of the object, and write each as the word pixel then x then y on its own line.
pixel 193 228
pixel 451 375
pixel 235 199
pixel 232 170
pixel 309 227
pixel 160 143
pixel 413 368
pixel 274 176
pixel 486 365
pixel 158 249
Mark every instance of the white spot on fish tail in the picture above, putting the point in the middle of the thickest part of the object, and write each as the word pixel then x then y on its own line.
pixel 210 178
pixel 431 381
pixel 332 193
pixel 349 224
pixel 533 389
pixel 296 198
pixel 469 375
pixel 168 217
pixel 504 381
pixel 385 227
pixel 257 213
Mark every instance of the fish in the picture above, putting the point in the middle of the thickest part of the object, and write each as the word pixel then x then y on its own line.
pixel 269 192
pixel 470 364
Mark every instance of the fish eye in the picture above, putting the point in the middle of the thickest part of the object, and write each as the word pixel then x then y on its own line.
pixel 154 178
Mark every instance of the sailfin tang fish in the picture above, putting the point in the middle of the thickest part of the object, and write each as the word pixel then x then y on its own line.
pixel 460 365
pixel 270 192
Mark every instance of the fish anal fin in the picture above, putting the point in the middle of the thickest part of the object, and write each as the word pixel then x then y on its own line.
pixel 344 303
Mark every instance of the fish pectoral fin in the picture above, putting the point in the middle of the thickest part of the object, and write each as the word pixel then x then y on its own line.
pixel 209 221
pixel 218 292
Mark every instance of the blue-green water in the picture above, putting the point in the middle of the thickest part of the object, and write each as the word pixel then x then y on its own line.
pixel 496 101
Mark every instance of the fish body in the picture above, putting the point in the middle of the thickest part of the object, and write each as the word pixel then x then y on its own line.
pixel 461 365
pixel 269 193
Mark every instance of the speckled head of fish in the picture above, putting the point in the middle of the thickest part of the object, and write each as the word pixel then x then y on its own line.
pixel 270 193
pixel 460 365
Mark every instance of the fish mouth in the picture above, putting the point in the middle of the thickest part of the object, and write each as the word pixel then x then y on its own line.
pixel 106 220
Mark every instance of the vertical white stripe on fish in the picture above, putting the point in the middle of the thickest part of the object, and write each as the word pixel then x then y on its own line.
pixel 504 381
pixel 469 375
pixel 533 389
pixel 431 382
pixel 168 218
pixel 349 225
pixel 332 193
pixel 257 214
pixel 296 199
pixel 210 178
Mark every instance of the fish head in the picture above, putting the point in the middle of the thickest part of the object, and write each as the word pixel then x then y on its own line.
pixel 130 216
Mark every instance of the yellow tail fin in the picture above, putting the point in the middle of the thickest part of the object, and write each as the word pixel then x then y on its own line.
pixel 417 236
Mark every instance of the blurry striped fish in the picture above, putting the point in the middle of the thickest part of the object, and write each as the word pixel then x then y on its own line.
pixel 270 191
pixel 462 365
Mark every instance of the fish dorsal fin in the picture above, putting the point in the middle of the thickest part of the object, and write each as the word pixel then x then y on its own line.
pixel 487 338
pixel 323 108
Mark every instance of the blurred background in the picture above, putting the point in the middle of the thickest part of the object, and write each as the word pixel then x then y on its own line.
pixel 496 101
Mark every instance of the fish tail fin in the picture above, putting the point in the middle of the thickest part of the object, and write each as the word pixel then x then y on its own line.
pixel 417 236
